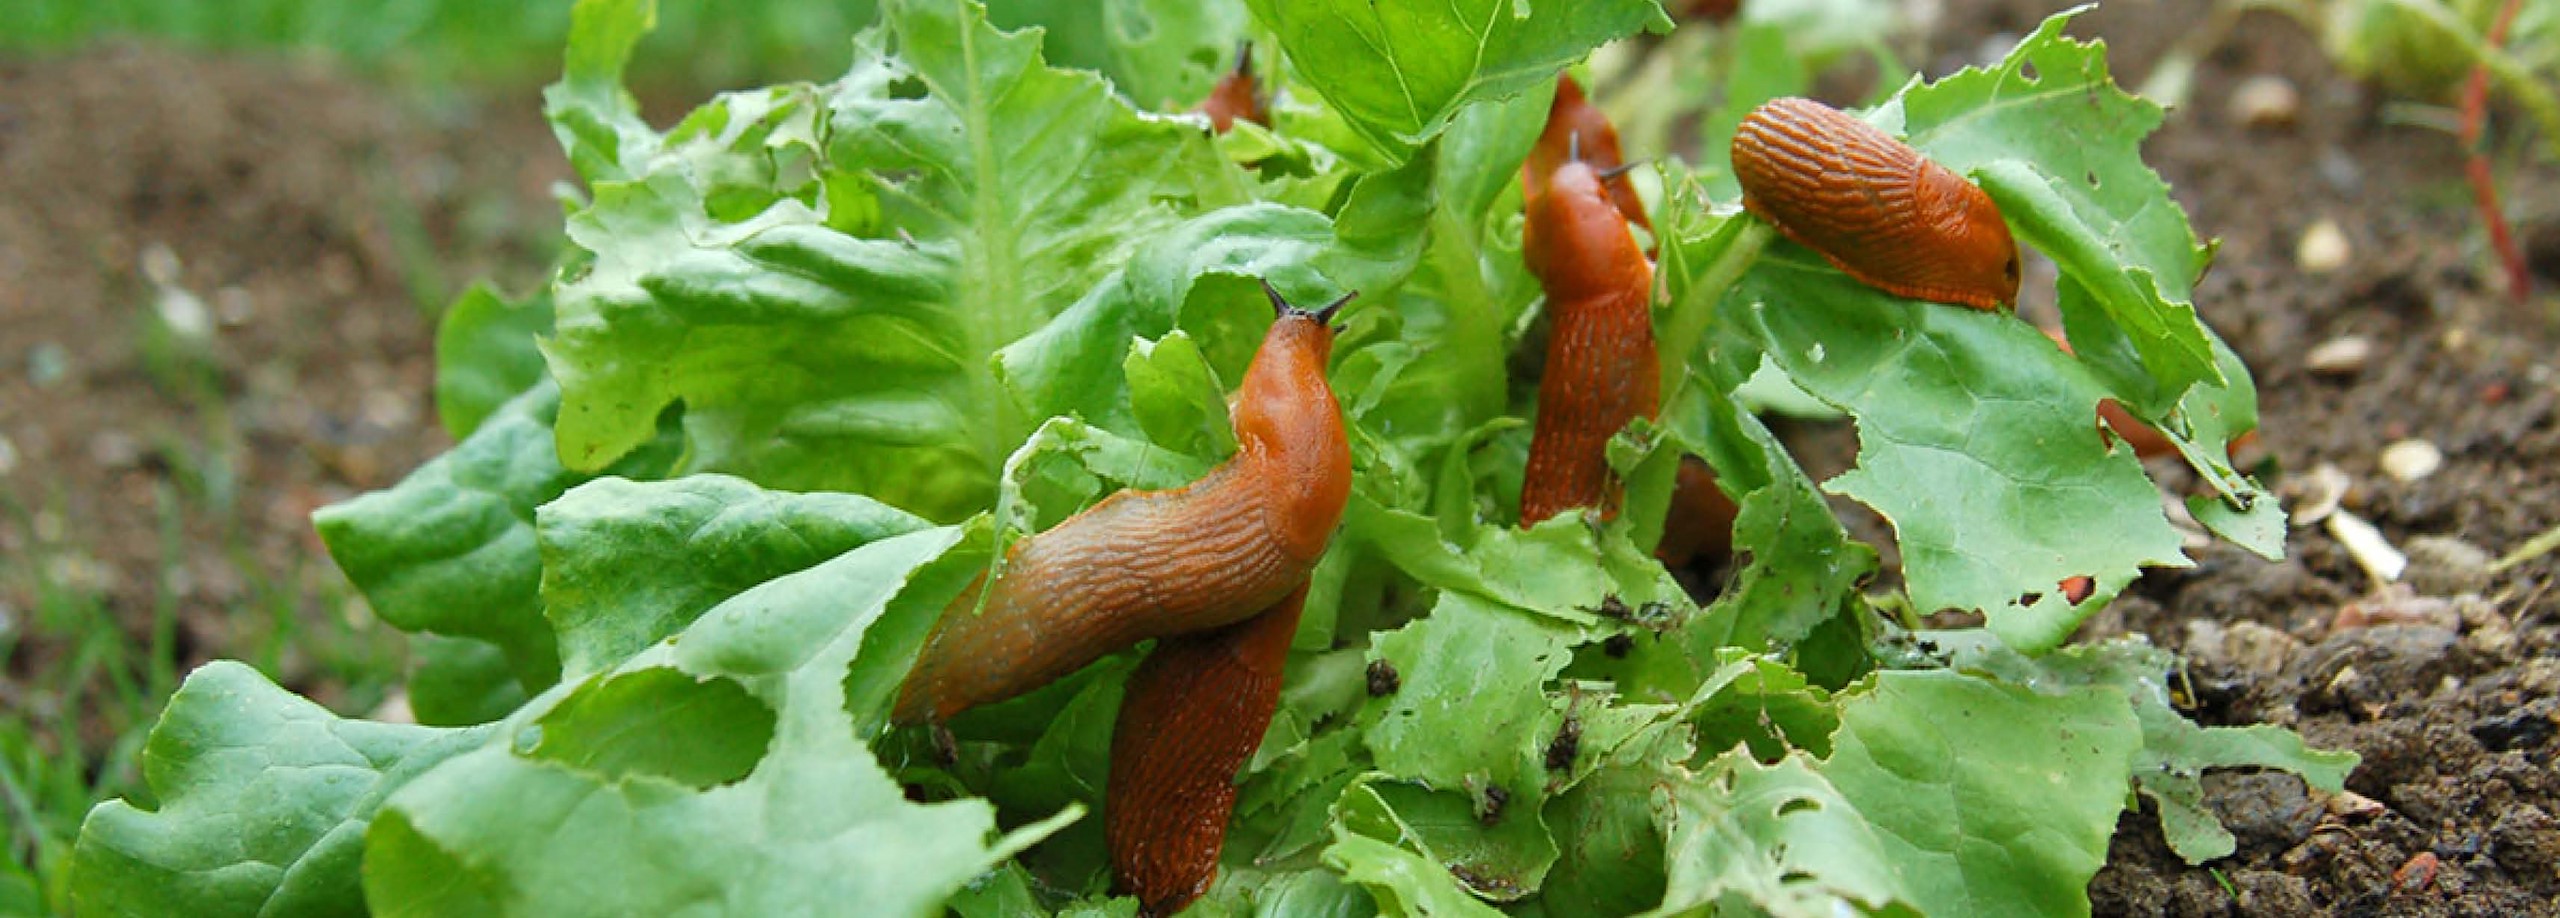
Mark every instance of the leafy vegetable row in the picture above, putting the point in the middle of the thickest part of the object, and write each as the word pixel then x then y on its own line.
pixel 837 374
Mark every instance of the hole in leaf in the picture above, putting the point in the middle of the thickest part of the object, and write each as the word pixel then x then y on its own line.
pixel 2029 599
pixel 1798 805
pixel 659 722
pixel 2027 71
pixel 908 87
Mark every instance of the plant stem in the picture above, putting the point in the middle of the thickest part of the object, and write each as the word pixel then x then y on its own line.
pixel 1689 318
pixel 2484 189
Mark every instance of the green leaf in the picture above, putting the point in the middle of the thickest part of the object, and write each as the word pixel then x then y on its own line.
pixel 1977 440
pixel 457 682
pixel 1397 71
pixel 1404 884
pixel 1777 839
pixel 1177 398
pixel 2059 147
pixel 1559 568
pixel 851 351
pixel 1988 799
pixel 1165 54
pixel 451 549
pixel 2175 751
pixel 1472 713
pixel 485 355
pixel 264 800
pixel 1610 857
pixel 625 564
pixel 598 123
pixel 585 807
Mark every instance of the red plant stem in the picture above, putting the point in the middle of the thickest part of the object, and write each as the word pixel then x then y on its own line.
pixel 2475 112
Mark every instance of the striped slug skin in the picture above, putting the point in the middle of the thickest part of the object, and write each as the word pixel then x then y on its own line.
pixel 1874 206
pixel 1193 715
pixel 1572 121
pixel 1146 564
pixel 1601 368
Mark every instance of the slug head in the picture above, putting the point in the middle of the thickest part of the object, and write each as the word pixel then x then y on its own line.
pixel 1982 257
pixel 1289 427
pixel 1237 95
pixel 1576 240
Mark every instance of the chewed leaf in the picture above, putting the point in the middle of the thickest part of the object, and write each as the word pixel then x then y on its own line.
pixel 1977 439
pixel 1776 837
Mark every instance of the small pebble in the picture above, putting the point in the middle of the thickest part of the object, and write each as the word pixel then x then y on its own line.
pixel 2368 547
pixel 2416 875
pixel 2446 566
pixel 2323 249
pixel 2266 100
pixel 2317 494
pixel 2397 605
pixel 2352 805
pixel 2410 460
pixel 2345 355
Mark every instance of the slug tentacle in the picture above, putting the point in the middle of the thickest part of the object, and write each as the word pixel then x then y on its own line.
pixel 1873 206
pixel 1577 131
pixel 1238 96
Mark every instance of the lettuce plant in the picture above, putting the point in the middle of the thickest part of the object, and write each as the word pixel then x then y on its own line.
pixel 821 350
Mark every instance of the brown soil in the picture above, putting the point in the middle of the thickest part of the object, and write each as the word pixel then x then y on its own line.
pixel 2450 699
pixel 316 224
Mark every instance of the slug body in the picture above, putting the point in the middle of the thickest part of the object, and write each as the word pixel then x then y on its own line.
pixel 1873 206
pixel 1237 96
pixel 1194 714
pixel 1147 564
pixel 1601 367
pixel 1701 519
pixel 1574 125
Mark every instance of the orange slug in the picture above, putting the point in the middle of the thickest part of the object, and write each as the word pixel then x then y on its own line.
pixel 1147 564
pixel 1577 129
pixel 1873 206
pixel 1193 715
pixel 1701 519
pixel 1238 95
pixel 2147 441
pixel 1601 368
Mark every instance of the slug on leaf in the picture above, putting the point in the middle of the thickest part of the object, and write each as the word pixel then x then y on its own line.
pixel 1238 95
pixel 1577 129
pixel 1873 206
pixel 1601 368
pixel 1193 715
pixel 1147 564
